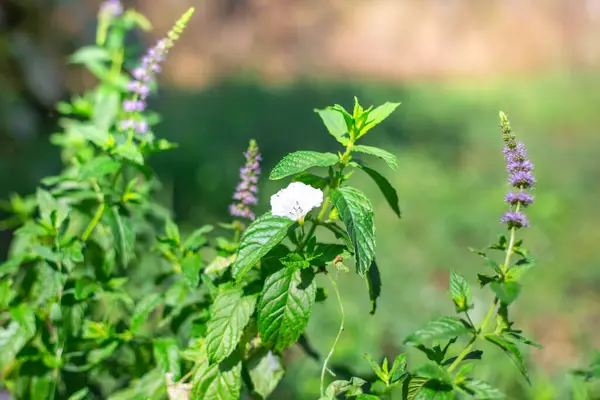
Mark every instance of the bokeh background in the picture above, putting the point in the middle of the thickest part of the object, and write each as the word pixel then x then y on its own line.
pixel 257 69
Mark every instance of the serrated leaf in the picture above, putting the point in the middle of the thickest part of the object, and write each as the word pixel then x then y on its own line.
pixel 286 303
pixel 413 386
pixel 265 372
pixel 460 292
pixel 142 309
pixel 398 367
pixel 386 188
pixel 481 390
pixel 190 267
pixel 507 292
pixel 390 159
pixel 266 232
pixel 219 381
pixel 374 285
pixel 123 236
pixel 336 124
pixel 356 212
pixel 438 329
pixel 99 167
pixel 378 115
pixel 166 354
pixel 230 313
pixel 300 161
pixel 512 351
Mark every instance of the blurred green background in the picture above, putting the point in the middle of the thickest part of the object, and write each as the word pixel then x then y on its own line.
pixel 257 69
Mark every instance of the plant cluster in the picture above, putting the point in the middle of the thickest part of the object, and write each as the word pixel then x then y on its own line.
pixel 94 304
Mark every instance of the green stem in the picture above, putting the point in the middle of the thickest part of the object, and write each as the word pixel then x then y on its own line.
pixel 488 316
pixel 90 228
pixel 315 223
pixel 469 346
pixel 337 338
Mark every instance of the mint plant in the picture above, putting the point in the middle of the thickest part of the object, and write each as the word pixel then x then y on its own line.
pixel 104 296
pixel 450 371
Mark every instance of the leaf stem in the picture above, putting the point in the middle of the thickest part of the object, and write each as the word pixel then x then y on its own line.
pixel 337 338
pixel 315 223
pixel 97 216
pixel 488 316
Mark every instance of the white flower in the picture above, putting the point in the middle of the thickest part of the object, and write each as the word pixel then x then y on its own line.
pixel 295 201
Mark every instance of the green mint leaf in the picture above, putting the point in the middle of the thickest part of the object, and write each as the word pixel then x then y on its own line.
pixel 378 115
pixel 363 396
pixel 413 386
pixel 386 188
pixel 351 388
pixel 85 287
pixel 286 303
pixel 294 261
pixel 80 394
pixel 516 335
pixel 507 292
pixel 99 167
pixel 96 356
pixel 106 107
pixel 438 329
pixel 23 314
pixel 219 264
pixel 266 232
pixel 356 212
pixel 129 152
pixel 376 368
pixel 142 309
pixel 198 238
pixel 460 292
pixel 190 266
pixel 398 367
pixel 480 390
pixel 512 351
pixel 336 124
pixel 122 232
pixel 265 372
pixel 389 158
pixel 166 354
pixel 219 381
pixel 229 315
pixel 300 161
pixel 374 284
pixel 312 180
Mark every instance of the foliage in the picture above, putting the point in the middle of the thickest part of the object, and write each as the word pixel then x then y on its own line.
pixel 77 322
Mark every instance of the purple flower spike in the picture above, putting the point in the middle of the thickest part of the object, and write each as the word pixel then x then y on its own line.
pixel 245 192
pixel 515 219
pixel 145 73
pixel 522 198
pixel 520 177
